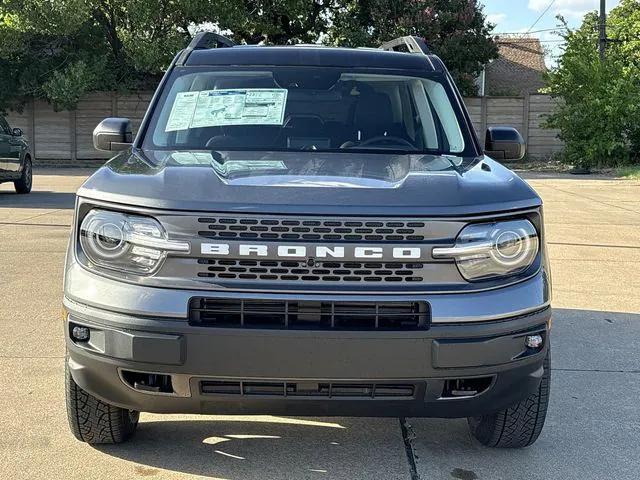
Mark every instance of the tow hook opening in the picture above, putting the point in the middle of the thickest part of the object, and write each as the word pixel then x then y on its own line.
pixel 465 387
pixel 148 382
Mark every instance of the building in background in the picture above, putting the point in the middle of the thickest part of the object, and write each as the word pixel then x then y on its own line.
pixel 517 71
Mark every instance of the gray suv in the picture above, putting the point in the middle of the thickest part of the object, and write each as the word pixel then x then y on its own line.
pixel 307 231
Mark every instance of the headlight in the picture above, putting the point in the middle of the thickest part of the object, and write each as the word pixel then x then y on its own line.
pixel 489 250
pixel 125 243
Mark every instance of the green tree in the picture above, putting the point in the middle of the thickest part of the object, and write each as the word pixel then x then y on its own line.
pixel 61 49
pixel 599 106
pixel 278 22
pixel 456 30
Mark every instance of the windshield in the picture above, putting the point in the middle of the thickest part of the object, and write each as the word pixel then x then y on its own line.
pixel 306 109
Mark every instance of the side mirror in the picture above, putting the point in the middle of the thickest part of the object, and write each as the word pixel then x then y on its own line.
pixel 113 134
pixel 504 143
pixel 16 132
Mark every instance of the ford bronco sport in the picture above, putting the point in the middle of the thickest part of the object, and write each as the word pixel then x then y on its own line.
pixel 307 230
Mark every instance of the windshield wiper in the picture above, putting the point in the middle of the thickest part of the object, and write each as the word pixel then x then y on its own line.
pixel 452 161
pixel 217 156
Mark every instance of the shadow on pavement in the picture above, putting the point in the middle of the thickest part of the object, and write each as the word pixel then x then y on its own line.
pixel 38 199
pixel 592 430
pixel 273 447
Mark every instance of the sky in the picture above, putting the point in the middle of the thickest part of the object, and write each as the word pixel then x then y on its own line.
pixel 519 16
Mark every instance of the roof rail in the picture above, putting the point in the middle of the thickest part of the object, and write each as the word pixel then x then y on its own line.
pixel 410 44
pixel 203 40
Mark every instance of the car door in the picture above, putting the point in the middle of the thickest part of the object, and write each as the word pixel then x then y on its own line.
pixel 5 148
pixel 13 148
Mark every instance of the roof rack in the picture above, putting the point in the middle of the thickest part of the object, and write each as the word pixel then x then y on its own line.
pixel 408 44
pixel 202 41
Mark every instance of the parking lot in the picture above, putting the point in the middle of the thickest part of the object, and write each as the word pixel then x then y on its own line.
pixel 592 430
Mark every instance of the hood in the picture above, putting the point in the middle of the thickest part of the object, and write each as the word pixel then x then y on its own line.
pixel 309 183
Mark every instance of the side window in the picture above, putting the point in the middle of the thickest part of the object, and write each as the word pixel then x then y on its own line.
pixel 4 127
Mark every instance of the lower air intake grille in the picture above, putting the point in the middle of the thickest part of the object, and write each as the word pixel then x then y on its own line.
pixel 310 315
pixel 307 389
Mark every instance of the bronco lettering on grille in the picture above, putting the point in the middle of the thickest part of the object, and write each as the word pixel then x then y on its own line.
pixel 316 251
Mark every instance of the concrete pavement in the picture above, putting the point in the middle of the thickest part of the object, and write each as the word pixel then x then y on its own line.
pixel 592 431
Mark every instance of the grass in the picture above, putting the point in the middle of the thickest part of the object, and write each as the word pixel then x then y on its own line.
pixel 630 173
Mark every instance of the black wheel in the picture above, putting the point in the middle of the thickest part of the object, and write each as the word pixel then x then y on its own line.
pixel 94 421
pixel 26 180
pixel 517 426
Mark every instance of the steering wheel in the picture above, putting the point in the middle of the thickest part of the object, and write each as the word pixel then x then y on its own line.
pixel 388 140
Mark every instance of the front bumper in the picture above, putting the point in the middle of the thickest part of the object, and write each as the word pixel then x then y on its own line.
pixel 191 355
pixel 136 328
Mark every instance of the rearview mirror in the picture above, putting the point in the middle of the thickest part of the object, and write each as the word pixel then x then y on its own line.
pixel 113 134
pixel 504 143
pixel 16 132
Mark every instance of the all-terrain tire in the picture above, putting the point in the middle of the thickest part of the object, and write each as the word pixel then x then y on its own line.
pixel 519 425
pixel 23 185
pixel 94 421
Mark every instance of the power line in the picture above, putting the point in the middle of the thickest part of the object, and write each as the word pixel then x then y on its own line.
pixel 542 15
pixel 532 31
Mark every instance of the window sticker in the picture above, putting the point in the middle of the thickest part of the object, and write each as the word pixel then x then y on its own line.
pixel 214 108
pixel 182 111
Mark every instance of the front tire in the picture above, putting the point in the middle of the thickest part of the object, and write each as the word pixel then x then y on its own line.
pixel 519 425
pixel 93 421
pixel 23 185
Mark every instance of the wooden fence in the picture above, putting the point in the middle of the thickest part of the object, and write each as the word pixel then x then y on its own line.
pixel 65 138
pixel 527 114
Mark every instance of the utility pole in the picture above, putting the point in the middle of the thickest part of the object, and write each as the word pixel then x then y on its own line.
pixel 602 40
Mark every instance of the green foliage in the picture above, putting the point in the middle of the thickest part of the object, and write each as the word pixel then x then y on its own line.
pixel 600 101
pixel 629 172
pixel 66 86
pixel 60 49
pixel 278 22
pixel 456 30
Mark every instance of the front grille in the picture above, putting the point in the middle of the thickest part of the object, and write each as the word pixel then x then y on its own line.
pixel 310 315
pixel 267 252
pixel 288 270
pixel 311 229
pixel 308 389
